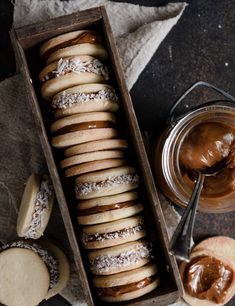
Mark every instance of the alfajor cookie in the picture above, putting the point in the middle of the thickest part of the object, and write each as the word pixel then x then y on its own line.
pixel 84 121
pixel 36 206
pixel 95 166
pixel 63 268
pixel 209 277
pixel 110 208
pixel 97 145
pixel 106 182
pixel 127 285
pixel 25 266
pixel 120 258
pixel 83 42
pixel 90 156
pixel 81 128
pixel 85 98
pixel 113 233
pixel 69 72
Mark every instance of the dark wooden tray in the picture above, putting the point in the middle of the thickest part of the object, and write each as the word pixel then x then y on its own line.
pixel 26 42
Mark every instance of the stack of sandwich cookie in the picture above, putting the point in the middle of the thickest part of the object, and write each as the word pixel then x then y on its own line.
pixel 25 265
pixel 74 80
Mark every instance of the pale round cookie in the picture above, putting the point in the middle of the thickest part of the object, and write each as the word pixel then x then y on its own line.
pixel 70 44
pixel 74 138
pixel 106 182
pixel 35 208
pixel 84 118
pixel 63 265
pixel 110 208
pixel 98 145
pixel 94 166
pixel 221 248
pixel 120 258
pixel 117 284
pixel 24 277
pixel 91 156
pixel 85 98
pixel 69 72
pixel 113 233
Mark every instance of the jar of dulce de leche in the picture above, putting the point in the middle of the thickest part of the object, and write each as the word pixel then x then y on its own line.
pixel 201 139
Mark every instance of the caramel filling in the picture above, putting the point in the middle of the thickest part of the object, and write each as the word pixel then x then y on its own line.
pixel 98 209
pixel 207 278
pixel 207 145
pixel 83 38
pixel 84 126
pixel 118 290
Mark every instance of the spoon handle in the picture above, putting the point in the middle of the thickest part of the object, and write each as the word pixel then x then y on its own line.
pixel 180 245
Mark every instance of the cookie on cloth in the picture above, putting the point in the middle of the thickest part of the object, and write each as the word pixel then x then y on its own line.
pixel 106 182
pixel 81 128
pixel 85 98
pixel 97 145
pixel 110 208
pixel 27 273
pixel 63 268
pixel 113 233
pixel 94 166
pixel 35 208
pixel 127 285
pixel 209 277
pixel 120 258
pixel 83 42
pixel 69 72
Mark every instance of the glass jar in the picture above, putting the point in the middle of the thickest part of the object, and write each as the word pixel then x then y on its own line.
pixel 168 171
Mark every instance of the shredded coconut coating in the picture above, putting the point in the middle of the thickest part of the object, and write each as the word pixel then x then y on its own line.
pixel 41 208
pixel 76 65
pixel 67 99
pixel 49 260
pixel 103 264
pixel 127 232
pixel 82 189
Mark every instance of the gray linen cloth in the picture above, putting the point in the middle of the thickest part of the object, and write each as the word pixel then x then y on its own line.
pixel 138 31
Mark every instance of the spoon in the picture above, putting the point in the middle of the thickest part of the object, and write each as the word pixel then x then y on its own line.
pixel 182 241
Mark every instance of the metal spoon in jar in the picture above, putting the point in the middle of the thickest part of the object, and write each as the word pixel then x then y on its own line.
pixel 181 242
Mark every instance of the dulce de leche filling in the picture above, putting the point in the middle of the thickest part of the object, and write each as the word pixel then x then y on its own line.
pixel 118 290
pixel 85 37
pixel 208 278
pixel 103 208
pixel 84 126
pixel 208 145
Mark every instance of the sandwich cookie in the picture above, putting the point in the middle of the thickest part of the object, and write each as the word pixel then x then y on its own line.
pixel 27 272
pixel 113 233
pixel 128 285
pixel 209 277
pixel 85 98
pixel 110 208
pixel 95 166
pixel 69 72
pixel 63 268
pixel 97 145
pixel 83 42
pixel 36 206
pixel 81 128
pixel 106 182
pixel 120 258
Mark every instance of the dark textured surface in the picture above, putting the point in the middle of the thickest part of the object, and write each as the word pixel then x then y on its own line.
pixel 200 47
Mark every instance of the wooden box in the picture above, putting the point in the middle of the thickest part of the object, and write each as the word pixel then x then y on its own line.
pixel 26 42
